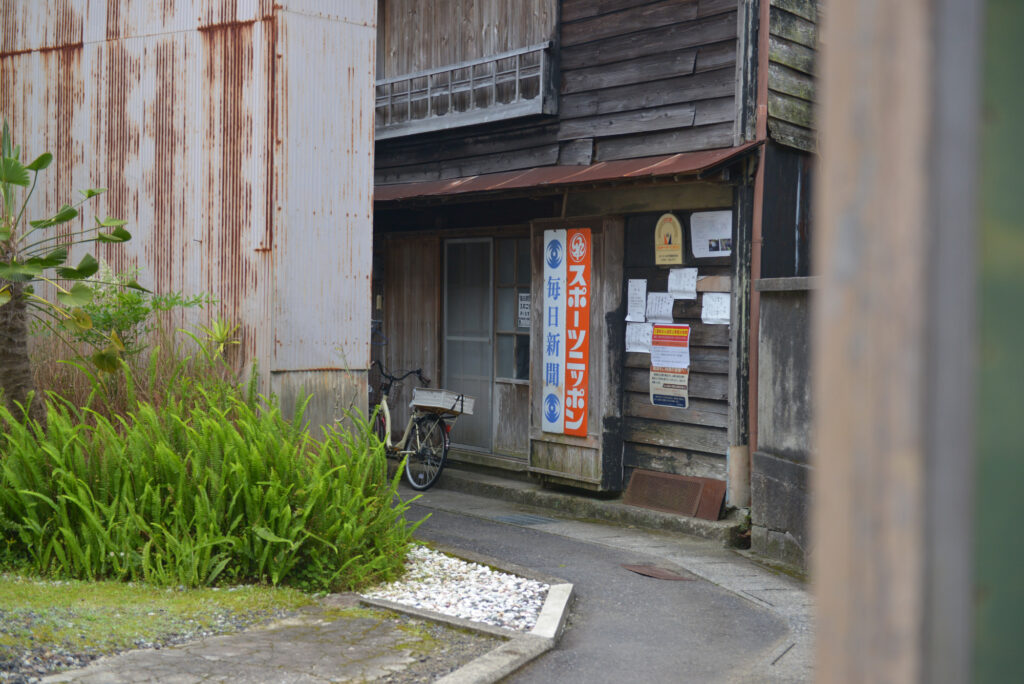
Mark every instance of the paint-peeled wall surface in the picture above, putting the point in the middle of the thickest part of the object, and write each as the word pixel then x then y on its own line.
pixel 236 138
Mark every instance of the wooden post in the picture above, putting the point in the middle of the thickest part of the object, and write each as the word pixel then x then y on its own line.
pixel 893 341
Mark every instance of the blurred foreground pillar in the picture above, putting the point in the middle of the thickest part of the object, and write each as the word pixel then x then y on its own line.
pixel 895 340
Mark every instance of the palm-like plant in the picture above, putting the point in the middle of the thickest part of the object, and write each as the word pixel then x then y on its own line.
pixel 31 253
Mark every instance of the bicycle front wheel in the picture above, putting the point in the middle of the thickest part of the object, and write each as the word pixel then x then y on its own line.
pixel 380 429
pixel 430 449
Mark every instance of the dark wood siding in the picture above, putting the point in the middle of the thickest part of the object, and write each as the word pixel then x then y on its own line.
pixel 786 231
pixel 412 316
pixel 692 441
pixel 642 78
pixel 791 85
pixel 637 78
pixel 415 35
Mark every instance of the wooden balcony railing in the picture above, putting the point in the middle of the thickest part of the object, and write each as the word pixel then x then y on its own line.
pixel 503 86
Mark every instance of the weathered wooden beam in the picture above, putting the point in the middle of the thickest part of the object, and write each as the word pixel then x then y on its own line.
pixel 807 9
pixel 675 461
pixel 799 137
pixel 623 123
pixel 702 360
pixel 699 412
pixel 675 435
pixel 794 28
pixel 782 79
pixel 674 37
pixel 639 70
pixel 628 20
pixel 702 385
pixel 714 283
pixel 791 109
pixel 717 83
pixel 669 142
pixel 655 198
pixel 793 55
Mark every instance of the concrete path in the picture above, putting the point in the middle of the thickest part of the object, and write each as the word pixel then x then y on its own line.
pixel 736 622
pixel 729 621
pixel 335 642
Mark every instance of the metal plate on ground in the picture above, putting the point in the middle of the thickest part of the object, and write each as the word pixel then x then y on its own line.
pixel 663 492
pixel 699 497
pixel 524 519
pixel 657 573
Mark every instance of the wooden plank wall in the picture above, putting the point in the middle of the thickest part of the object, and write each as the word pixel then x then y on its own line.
pixel 416 35
pixel 791 84
pixel 692 441
pixel 638 78
pixel 642 78
pixel 412 316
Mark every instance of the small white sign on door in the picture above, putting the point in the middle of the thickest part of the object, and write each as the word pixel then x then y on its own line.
pixel 524 310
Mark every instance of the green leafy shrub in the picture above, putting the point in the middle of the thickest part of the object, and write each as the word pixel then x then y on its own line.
pixel 177 362
pixel 130 314
pixel 212 487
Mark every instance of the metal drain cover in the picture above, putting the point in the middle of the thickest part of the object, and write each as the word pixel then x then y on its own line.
pixel 524 519
pixel 657 573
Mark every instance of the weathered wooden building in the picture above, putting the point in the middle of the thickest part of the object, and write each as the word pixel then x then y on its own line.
pixel 499 123
pixel 236 139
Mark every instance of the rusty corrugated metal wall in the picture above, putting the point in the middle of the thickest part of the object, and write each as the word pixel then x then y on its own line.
pixel 236 137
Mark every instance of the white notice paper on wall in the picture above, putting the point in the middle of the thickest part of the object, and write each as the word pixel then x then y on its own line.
pixel 659 307
pixel 715 310
pixel 711 233
pixel 638 337
pixel 523 319
pixel 637 300
pixel 682 283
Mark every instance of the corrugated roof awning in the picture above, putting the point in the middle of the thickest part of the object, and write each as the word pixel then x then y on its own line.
pixel 686 163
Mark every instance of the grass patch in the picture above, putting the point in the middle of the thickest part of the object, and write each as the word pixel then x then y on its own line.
pixel 213 487
pixel 101 617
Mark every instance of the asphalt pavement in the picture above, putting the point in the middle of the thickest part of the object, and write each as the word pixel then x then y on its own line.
pixel 730 620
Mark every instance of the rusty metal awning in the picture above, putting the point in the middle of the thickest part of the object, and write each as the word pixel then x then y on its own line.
pixel 683 164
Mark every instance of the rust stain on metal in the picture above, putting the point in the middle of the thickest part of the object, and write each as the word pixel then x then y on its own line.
pixel 168 149
pixel 229 70
pixel 113 19
pixel 215 26
pixel 66 22
pixel 44 49
pixel 69 99
pixel 271 141
pixel 121 134
pixel 180 108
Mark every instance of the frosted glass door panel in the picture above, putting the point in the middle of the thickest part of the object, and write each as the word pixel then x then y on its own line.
pixel 468 317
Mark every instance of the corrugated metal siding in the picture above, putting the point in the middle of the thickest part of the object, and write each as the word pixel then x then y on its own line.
pixel 325 193
pixel 235 179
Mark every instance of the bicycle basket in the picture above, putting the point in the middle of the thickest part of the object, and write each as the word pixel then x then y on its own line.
pixel 441 401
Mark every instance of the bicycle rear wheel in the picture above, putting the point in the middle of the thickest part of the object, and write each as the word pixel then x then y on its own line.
pixel 429 443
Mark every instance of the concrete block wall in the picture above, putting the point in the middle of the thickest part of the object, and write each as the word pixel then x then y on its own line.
pixel 780 468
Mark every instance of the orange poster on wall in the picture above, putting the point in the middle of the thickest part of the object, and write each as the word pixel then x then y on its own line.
pixel 577 331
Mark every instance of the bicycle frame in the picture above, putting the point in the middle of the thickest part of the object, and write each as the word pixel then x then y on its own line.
pixel 424 459
pixel 400 446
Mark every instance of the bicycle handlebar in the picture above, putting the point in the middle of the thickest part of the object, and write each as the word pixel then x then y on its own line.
pixel 398 378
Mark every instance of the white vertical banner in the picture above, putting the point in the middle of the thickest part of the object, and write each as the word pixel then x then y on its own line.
pixel 553 341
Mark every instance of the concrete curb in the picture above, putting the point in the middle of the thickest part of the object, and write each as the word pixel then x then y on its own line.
pixel 581 507
pixel 512 655
pixel 519 649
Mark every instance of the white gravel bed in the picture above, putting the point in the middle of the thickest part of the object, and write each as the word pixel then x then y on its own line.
pixel 452 586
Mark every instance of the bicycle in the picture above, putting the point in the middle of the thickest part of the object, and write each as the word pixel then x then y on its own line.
pixel 425 442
